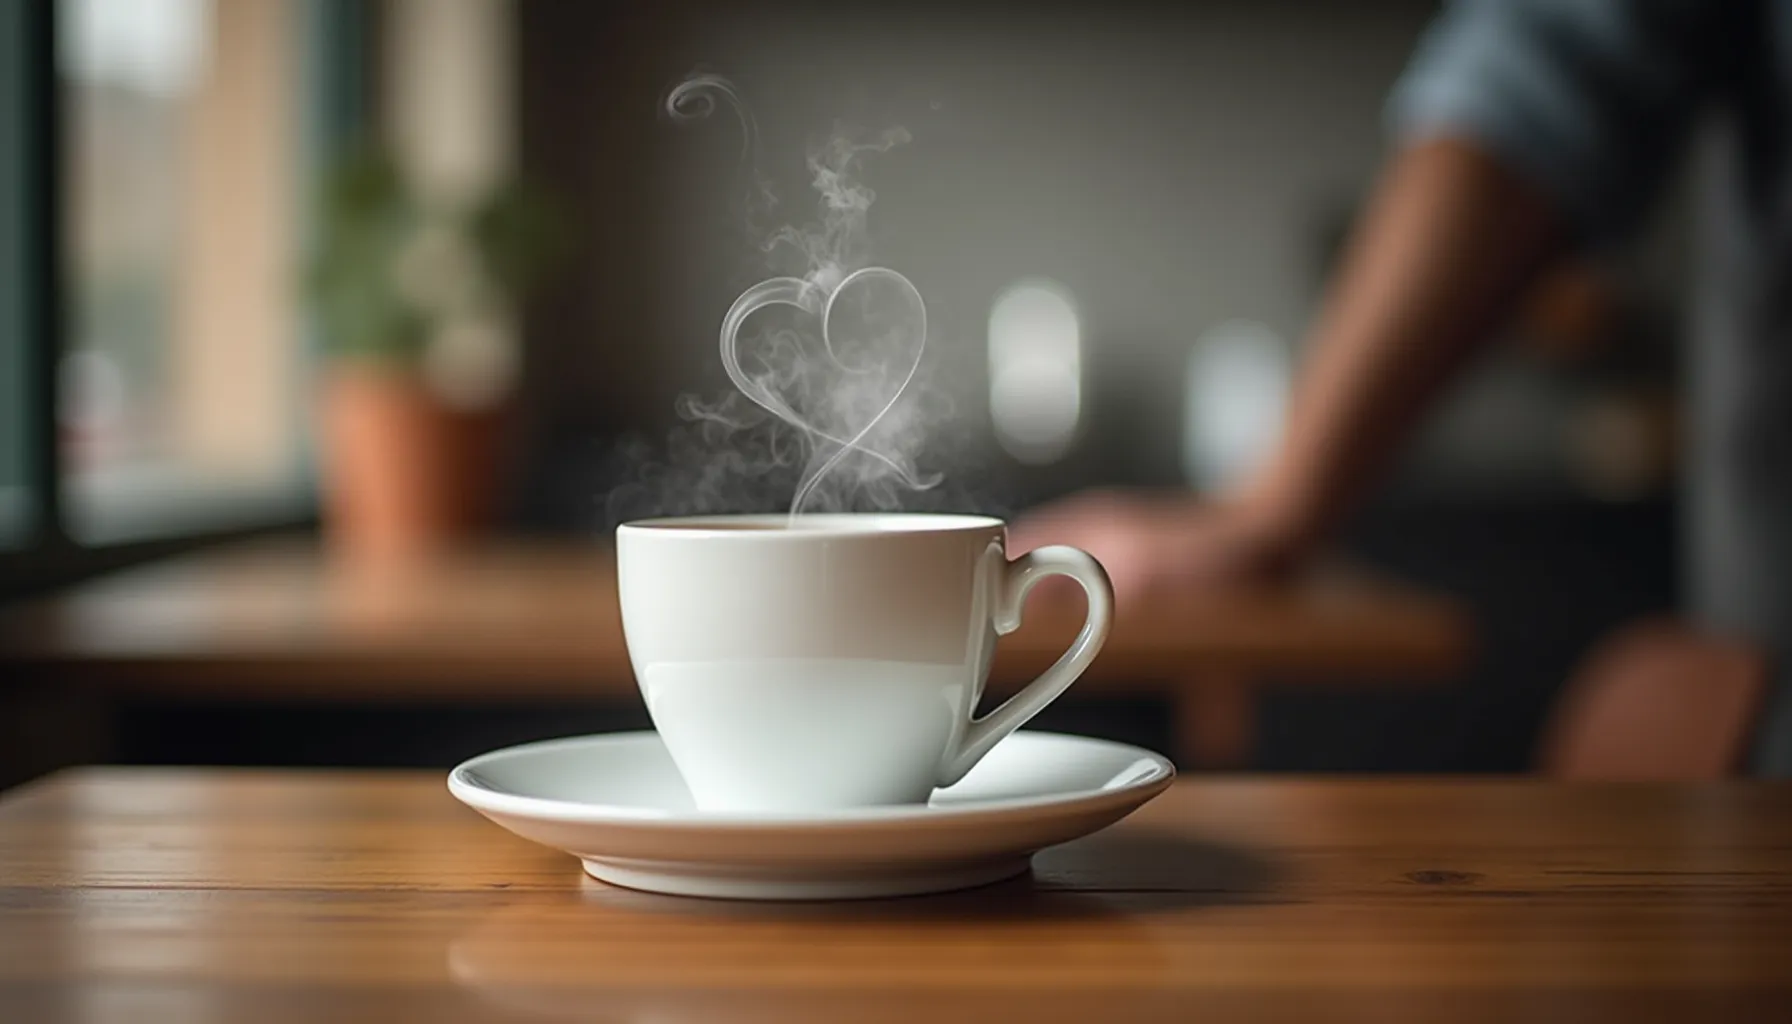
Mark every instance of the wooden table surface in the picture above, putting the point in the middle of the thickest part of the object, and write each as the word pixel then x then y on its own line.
pixel 194 895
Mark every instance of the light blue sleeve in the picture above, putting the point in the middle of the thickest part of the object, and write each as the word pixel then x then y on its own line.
pixel 1589 99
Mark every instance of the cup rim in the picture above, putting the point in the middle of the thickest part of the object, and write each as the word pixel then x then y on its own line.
pixel 772 526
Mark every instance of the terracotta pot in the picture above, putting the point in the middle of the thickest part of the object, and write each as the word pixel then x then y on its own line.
pixel 405 476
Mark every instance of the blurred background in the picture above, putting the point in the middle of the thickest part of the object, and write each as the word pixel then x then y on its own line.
pixel 289 286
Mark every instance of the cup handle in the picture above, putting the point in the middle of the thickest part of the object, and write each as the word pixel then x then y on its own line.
pixel 1018 577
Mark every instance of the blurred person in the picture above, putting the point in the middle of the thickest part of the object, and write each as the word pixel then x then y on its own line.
pixel 1527 128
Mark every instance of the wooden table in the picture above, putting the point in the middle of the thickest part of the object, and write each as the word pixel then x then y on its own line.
pixel 131 895
pixel 274 619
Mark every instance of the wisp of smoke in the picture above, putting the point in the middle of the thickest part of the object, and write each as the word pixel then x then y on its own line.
pixel 694 99
pixel 840 378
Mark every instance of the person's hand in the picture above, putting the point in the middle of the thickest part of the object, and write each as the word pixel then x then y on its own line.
pixel 1152 544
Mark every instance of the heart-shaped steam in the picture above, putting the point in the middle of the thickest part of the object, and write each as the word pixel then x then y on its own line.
pixel 887 331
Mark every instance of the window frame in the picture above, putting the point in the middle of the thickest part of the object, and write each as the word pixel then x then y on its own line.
pixel 19 125
pixel 335 94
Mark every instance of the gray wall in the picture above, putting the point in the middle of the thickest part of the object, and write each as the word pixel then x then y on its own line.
pixel 1173 168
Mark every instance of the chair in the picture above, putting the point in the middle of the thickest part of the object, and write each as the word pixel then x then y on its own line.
pixel 1657 701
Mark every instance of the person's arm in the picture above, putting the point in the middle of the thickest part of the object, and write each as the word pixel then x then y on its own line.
pixel 1451 239
pixel 1526 125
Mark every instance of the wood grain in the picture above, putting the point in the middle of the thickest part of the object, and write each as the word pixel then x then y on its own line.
pixel 273 619
pixel 195 895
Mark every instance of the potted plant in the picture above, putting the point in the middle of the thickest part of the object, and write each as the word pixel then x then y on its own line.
pixel 415 305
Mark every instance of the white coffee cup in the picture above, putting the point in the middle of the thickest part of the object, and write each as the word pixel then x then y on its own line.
pixel 838 662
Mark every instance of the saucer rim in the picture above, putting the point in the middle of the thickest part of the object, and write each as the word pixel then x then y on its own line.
pixel 487 800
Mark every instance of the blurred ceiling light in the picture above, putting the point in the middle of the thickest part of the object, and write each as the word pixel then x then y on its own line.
pixel 1035 370
pixel 1235 395
pixel 152 46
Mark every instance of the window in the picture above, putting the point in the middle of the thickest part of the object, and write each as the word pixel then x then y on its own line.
pixel 1035 371
pixel 182 175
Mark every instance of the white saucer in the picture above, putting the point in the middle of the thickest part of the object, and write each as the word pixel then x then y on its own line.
pixel 617 803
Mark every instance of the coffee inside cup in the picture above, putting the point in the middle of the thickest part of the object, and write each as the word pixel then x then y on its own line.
pixel 732 527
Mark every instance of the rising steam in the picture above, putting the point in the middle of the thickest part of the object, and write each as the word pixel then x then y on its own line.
pixel 840 372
